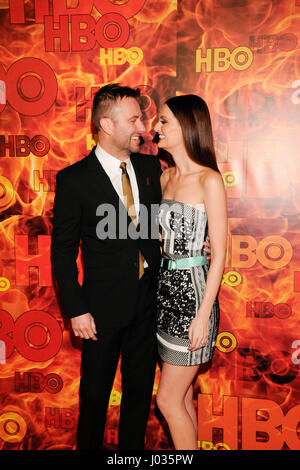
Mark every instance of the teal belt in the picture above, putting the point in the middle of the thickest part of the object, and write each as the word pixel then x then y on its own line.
pixel 183 263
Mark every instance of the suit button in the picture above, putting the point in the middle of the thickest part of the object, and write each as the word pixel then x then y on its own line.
pixel 135 264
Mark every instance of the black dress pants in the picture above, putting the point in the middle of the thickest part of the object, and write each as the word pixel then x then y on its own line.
pixel 138 348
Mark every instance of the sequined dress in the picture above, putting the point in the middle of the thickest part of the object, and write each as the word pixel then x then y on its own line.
pixel 180 291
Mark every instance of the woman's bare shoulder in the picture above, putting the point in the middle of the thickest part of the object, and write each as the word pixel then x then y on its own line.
pixel 210 178
pixel 164 177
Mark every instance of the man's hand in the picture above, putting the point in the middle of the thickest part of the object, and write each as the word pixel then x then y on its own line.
pixel 84 326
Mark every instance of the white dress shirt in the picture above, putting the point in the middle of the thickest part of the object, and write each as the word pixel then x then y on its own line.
pixel 111 166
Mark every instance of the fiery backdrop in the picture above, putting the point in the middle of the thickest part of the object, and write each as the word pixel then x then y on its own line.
pixel 243 58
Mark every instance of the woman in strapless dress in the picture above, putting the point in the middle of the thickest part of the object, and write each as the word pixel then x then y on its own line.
pixel 193 206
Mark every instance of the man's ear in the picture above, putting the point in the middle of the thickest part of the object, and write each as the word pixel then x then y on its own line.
pixel 106 125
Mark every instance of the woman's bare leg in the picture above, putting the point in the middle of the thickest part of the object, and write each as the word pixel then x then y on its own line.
pixel 190 406
pixel 174 399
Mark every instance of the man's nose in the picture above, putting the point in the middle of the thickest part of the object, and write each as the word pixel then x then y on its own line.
pixel 142 128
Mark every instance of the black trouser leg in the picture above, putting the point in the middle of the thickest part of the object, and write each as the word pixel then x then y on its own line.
pixel 139 353
pixel 99 363
pixel 137 343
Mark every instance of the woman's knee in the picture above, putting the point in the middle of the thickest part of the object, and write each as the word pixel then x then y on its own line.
pixel 163 401
pixel 188 399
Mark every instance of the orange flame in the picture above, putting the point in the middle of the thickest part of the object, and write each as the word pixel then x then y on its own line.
pixel 247 106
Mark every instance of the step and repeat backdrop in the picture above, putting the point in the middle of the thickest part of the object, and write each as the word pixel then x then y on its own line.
pixel 243 58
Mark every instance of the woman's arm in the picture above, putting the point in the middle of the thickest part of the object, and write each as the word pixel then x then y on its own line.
pixel 216 209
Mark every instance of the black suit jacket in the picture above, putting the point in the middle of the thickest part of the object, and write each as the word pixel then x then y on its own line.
pixel 110 265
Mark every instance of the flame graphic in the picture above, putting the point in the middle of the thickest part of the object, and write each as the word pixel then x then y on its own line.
pixel 30 211
pixel 251 110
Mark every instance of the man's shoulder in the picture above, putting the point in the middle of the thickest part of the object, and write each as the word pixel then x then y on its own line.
pixel 76 169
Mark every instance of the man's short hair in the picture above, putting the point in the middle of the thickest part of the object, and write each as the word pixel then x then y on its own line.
pixel 106 97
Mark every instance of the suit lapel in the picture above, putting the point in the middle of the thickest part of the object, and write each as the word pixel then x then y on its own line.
pixel 100 174
pixel 135 160
pixel 112 196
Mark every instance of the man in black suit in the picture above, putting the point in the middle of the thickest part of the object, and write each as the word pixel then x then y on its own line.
pixel 114 309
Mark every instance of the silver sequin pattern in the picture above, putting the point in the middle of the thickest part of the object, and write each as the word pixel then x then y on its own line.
pixel 180 291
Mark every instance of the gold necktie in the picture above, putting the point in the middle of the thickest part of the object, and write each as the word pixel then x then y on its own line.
pixel 129 203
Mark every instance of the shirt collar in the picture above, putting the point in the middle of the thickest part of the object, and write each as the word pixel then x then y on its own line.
pixel 108 161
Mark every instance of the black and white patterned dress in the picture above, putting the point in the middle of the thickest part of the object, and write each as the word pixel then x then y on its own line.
pixel 180 291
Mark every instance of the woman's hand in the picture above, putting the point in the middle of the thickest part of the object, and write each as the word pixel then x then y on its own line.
pixel 207 248
pixel 198 333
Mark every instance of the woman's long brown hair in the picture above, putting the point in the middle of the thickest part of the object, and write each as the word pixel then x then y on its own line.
pixel 192 113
